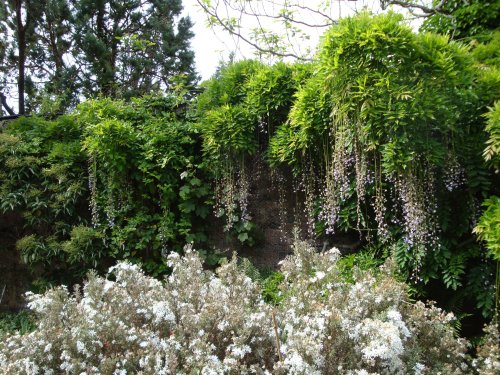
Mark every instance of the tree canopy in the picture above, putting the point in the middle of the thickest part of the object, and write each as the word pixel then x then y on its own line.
pixel 62 50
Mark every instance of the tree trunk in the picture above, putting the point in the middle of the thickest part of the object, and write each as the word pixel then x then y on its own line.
pixel 21 40
pixel 3 100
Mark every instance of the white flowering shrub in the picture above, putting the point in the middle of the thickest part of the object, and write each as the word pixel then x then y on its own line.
pixel 198 322
pixel 488 354
pixel 334 327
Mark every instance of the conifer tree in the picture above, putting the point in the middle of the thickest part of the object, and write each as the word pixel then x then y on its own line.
pixel 18 19
pixel 68 49
pixel 131 46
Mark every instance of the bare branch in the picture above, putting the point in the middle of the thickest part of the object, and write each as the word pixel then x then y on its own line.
pixel 235 32
pixel 282 16
pixel 411 6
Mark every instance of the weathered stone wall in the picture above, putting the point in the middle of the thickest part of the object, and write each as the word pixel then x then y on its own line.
pixel 14 277
pixel 278 211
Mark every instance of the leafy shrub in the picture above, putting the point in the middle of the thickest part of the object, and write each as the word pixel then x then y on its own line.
pixel 113 180
pixel 492 151
pixel 488 227
pixel 147 185
pixel 201 322
pixel 20 323
pixel 44 178
pixel 385 139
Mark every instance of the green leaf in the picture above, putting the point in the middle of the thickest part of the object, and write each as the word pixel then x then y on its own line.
pixel 243 237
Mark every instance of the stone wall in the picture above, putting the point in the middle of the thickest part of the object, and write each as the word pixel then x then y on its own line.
pixel 14 277
pixel 277 209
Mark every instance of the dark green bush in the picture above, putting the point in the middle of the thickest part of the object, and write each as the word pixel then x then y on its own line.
pixel 113 180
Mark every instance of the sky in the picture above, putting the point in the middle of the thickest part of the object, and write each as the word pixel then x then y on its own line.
pixel 211 46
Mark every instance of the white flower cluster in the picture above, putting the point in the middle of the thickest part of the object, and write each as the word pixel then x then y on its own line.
pixel 198 322
pixel 488 354
pixel 365 327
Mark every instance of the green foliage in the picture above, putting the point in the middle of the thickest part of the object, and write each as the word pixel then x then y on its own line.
pixel 147 185
pixel 487 53
pixel 44 179
pixel 229 132
pixel 245 232
pixel 395 94
pixel 404 99
pixel 465 19
pixel 84 243
pixel 271 291
pixel 112 173
pixel 133 48
pixel 492 151
pixel 227 86
pixel 365 260
pixel 488 227
pixel 22 322
pixel 243 104
pixel 307 127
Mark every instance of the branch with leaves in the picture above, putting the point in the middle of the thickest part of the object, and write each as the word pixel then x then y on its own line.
pixel 283 26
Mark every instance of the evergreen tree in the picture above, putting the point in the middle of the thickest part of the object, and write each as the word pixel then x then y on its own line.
pixel 51 56
pixel 131 46
pixel 19 19
pixel 61 49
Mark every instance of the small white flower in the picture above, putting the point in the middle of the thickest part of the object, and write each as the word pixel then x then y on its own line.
pixel 80 346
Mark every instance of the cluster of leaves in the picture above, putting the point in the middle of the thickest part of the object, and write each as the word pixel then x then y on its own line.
pixel 44 178
pixel 242 105
pixel 391 121
pixel 12 323
pixel 113 180
pixel 198 321
pixel 464 20
pixel 488 228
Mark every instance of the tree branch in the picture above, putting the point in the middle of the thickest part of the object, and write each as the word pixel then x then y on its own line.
pixel 3 100
pixel 230 30
pixel 427 11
